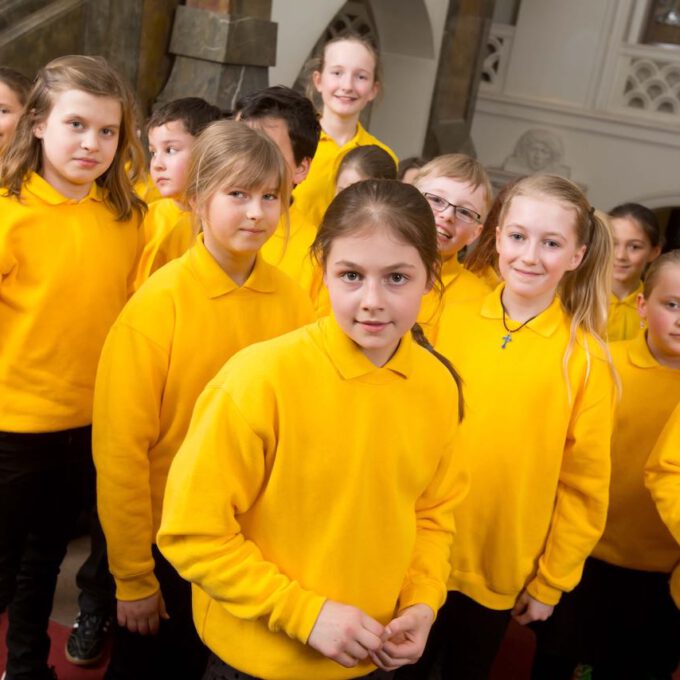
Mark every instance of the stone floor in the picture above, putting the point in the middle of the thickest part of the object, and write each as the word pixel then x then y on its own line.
pixel 65 605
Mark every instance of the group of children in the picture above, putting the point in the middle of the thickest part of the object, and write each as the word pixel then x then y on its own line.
pixel 324 446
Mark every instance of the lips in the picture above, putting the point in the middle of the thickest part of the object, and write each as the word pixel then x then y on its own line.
pixel 372 326
pixel 87 162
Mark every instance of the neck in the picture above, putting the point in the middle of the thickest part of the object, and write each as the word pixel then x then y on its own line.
pixel 179 204
pixel 623 289
pixel 76 192
pixel 237 266
pixel 669 361
pixel 521 309
pixel 341 130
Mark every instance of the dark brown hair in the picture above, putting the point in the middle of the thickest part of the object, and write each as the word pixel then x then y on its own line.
pixel 370 160
pixel 668 259
pixel 644 217
pixel 194 113
pixel 405 211
pixel 17 82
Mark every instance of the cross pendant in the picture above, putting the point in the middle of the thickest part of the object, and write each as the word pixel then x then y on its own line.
pixel 506 339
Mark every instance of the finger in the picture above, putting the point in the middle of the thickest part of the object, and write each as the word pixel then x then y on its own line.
pixel 356 650
pixel 131 624
pixel 163 612
pixel 372 625
pixel 143 626
pixel 154 622
pixel 122 619
pixel 345 660
pixel 368 640
pixel 384 661
pixel 523 619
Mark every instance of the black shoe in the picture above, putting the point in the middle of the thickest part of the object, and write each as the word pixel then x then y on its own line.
pixel 85 644
pixel 50 674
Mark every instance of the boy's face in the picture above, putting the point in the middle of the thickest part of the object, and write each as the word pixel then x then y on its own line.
pixel 170 145
pixel 454 233
pixel 277 130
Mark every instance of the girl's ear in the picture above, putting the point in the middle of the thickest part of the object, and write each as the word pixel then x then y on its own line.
pixel 653 254
pixel 498 238
pixel 300 171
pixel 374 91
pixel 316 80
pixel 577 257
pixel 642 306
pixel 39 130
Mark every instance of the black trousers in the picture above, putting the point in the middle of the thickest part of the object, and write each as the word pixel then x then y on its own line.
pixel 464 641
pixel 43 479
pixel 175 651
pixel 621 621
pixel 218 670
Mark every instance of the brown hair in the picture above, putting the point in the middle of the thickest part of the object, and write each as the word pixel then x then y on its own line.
pixel 228 152
pixel 458 166
pixel 17 82
pixel 370 160
pixel 401 208
pixel 669 259
pixel 644 217
pixel 94 76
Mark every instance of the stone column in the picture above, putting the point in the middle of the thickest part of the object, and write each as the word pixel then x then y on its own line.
pixel 223 49
pixel 458 74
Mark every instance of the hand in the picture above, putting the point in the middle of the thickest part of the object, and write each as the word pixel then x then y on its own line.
pixel 528 609
pixel 404 638
pixel 142 616
pixel 345 634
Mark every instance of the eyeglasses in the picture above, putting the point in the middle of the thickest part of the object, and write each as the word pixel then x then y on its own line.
pixel 439 204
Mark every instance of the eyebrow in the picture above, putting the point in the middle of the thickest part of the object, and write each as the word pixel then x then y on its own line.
pixel 81 117
pixel 354 265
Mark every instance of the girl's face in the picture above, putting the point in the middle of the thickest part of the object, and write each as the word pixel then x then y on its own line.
pixel 347 81
pixel 348 176
pixel 79 141
pixel 10 112
pixel 454 231
pixel 537 244
pixel 170 145
pixel 662 312
pixel 376 284
pixel 237 221
pixel 633 251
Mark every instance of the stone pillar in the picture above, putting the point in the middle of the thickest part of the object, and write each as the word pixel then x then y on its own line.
pixel 223 49
pixel 460 64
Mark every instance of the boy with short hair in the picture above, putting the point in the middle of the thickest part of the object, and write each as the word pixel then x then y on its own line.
pixel 459 192
pixel 171 131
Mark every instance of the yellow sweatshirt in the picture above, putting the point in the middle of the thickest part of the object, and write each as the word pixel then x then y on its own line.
pixel 169 341
pixel 635 537
pixel 175 243
pixel 662 478
pixel 624 320
pixel 538 452
pixel 460 285
pixel 66 270
pixel 160 219
pixel 309 473
pixel 314 195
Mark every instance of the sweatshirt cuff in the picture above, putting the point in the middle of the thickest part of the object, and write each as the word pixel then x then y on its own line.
pixel 297 613
pixel 540 590
pixel 137 587
pixel 430 593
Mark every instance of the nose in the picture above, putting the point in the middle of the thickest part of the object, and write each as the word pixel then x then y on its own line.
pixel 90 140
pixel 157 161
pixel 346 81
pixel 530 250
pixel 619 251
pixel 372 298
pixel 254 209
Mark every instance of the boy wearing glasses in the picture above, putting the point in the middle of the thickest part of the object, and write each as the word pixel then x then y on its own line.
pixel 459 192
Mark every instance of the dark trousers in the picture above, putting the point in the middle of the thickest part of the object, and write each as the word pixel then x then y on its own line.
pixel 97 590
pixel 175 651
pixel 42 483
pixel 464 641
pixel 623 622
pixel 218 670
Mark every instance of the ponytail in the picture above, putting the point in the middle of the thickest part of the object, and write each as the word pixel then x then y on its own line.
pixel 419 337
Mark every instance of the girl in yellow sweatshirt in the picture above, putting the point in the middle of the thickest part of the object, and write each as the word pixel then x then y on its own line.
pixel 311 503
pixel 539 393
pixel 70 239
pixel 347 79
pixel 168 342
pixel 633 635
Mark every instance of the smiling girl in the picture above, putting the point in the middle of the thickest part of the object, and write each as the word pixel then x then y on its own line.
pixel 14 89
pixel 69 244
pixel 277 512
pixel 169 341
pixel 637 242
pixel 539 395
pixel 348 78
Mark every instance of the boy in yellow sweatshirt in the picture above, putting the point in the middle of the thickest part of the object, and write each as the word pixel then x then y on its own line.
pixel 171 338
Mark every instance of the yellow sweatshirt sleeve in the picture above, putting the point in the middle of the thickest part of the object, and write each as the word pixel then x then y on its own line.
pixel 580 511
pixel 426 578
pixel 200 533
pixel 662 474
pixel 127 403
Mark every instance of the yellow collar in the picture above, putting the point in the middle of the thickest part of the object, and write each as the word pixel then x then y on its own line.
pixel 361 137
pixel 630 300
pixel 545 324
pixel 451 270
pixel 351 362
pixel 639 354
pixel 215 280
pixel 41 189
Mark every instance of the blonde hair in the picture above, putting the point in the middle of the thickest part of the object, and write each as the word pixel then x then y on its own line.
pixel 669 259
pixel 460 167
pixel 583 292
pixel 94 76
pixel 231 153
